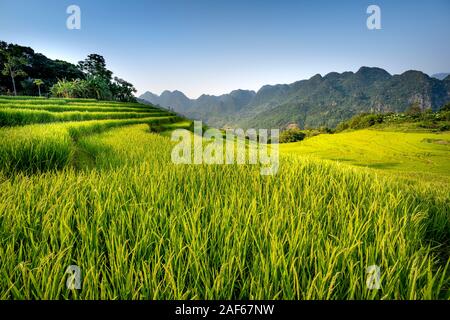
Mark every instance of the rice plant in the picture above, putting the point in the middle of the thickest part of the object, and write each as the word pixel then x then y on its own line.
pixel 141 227
pixel 12 117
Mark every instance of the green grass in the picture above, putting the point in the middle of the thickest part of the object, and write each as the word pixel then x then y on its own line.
pixel 40 100
pixel 14 117
pixel 395 152
pixel 141 227
pixel 36 147
pixel 76 107
pixel 70 102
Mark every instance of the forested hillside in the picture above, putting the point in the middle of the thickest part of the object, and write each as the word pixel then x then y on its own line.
pixel 319 101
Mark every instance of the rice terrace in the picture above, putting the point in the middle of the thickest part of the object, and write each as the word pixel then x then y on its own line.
pixel 103 194
pixel 307 158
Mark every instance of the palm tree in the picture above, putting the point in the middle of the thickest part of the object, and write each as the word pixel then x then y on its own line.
pixel 39 83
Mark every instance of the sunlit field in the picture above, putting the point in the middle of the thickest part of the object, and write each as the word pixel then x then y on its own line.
pixel 422 154
pixel 103 194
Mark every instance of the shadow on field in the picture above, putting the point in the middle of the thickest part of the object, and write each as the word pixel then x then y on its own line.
pixel 378 165
pixel 437 227
pixel 87 154
pixel 342 159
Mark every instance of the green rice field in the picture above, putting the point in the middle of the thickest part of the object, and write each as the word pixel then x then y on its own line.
pixel 81 186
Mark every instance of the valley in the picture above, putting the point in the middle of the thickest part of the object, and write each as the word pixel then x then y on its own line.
pixel 319 101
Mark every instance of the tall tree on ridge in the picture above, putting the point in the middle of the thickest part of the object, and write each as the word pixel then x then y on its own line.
pixel 13 67
pixel 94 65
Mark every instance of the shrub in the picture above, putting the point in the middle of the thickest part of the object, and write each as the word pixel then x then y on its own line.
pixel 69 89
pixel 361 121
pixel 414 110
pixel 155 128
pixel 94 87
pixel 445 115
pixel 445 107
pixel 292 135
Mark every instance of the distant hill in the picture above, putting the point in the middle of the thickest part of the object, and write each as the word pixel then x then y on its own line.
pixel 440 76
pixel 318 101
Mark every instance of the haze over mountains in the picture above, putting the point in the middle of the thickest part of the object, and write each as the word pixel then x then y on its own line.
pixel 440 76
pixel 318 101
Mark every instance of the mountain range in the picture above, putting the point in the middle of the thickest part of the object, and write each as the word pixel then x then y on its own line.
pixel 318 101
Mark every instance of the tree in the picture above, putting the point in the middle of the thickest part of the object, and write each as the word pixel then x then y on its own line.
pixel 39 83
pixel 98 88
pixel 38 67
pixel 414 110
pixel 92 88
pixel 64 89
pixel 445 107
pixel 95 65
pixel 13 67
pixel 97 83
pixel 28 87
pixel 123 90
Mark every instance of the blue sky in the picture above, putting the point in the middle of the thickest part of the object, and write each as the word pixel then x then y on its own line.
pixel 216 46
